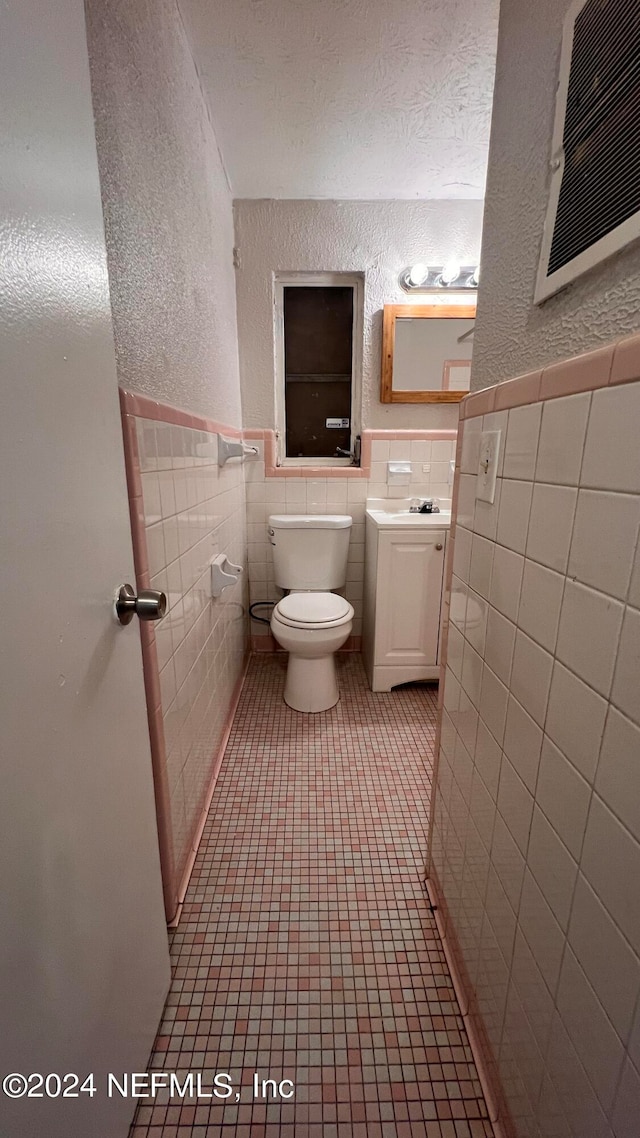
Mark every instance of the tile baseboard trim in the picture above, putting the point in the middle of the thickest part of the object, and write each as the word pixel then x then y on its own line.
pixel 499 1114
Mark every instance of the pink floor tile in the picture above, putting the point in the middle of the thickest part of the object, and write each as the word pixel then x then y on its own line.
pixel 307 949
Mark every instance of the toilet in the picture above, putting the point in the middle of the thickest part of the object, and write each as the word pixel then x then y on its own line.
pixel 310 559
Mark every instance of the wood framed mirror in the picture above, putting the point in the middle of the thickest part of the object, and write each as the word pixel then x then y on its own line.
pixel 426 352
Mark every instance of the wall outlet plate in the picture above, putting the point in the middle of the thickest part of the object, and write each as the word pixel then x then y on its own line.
pixel 488 465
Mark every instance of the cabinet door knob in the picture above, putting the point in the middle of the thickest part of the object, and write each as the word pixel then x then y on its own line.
pixel 439 545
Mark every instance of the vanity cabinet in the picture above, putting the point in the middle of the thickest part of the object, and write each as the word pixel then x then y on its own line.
pixel 404 572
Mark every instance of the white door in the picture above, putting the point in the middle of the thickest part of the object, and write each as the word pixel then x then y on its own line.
pixel 410 569
pixel 83 946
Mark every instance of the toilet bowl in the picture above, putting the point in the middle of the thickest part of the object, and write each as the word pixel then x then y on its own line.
pixel 311 623
pixel 311 627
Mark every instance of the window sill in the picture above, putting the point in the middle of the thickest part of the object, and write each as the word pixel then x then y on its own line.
pixel 316 472
pixel 330 462
pixel 271 470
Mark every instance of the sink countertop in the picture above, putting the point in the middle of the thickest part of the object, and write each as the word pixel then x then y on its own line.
pixel 394 513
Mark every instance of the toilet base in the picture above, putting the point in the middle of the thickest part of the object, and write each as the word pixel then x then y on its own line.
pixel 311 685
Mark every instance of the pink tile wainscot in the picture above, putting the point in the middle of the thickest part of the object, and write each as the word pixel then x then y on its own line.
pixel 184 510
pixel 533 832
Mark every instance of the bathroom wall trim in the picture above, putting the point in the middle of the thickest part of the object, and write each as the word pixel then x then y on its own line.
pixel 619 362
pixel 272 470
pixel 497 1109
pixel 143 407
pixel 132 406
pixel 616 363
pixel 149 654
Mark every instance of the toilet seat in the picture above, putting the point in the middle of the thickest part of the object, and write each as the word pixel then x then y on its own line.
pixel 313 610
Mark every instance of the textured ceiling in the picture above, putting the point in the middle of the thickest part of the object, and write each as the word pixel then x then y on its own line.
pixel 348 98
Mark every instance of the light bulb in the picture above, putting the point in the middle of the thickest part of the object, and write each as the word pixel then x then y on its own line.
pixel 450 273
pixel 418 274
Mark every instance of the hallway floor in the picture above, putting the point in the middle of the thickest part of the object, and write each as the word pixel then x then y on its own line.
pixel 306 948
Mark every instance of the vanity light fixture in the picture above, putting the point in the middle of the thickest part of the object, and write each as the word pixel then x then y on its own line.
pixel 417 274
pixel 450 273
pixel 453 275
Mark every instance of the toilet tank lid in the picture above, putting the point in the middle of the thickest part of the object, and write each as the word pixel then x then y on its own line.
pixel 310 521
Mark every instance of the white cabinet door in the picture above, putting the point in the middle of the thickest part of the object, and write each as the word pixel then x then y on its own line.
pixel 409 592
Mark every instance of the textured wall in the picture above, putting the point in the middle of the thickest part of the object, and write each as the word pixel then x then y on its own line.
pixel 512 335
pixel 349 98
pixel 167 210
pixel 375 238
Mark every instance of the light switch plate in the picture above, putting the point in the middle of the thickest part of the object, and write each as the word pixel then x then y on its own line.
pixel 488 465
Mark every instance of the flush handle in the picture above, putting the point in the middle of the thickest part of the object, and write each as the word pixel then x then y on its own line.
pixel 149 604
pixel 439 545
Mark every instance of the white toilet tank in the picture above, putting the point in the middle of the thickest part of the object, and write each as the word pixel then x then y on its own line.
pixel 310 550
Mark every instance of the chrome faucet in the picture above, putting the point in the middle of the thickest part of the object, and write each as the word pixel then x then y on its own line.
pixel 426 506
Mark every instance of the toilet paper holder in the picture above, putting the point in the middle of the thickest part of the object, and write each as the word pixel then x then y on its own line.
pixel 223 574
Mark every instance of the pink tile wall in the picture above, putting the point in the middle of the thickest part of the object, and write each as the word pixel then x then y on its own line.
pixel 342 491
pixel 188 509
pixel 535 845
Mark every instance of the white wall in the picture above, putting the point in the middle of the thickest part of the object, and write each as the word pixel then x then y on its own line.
pixel 167 208
pixel 378 239
pixel 512 335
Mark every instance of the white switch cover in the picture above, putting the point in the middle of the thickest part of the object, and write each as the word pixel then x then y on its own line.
pixel 488 465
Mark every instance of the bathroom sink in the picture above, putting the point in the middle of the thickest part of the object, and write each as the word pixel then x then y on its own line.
pixel 394 513
pixel 404 518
